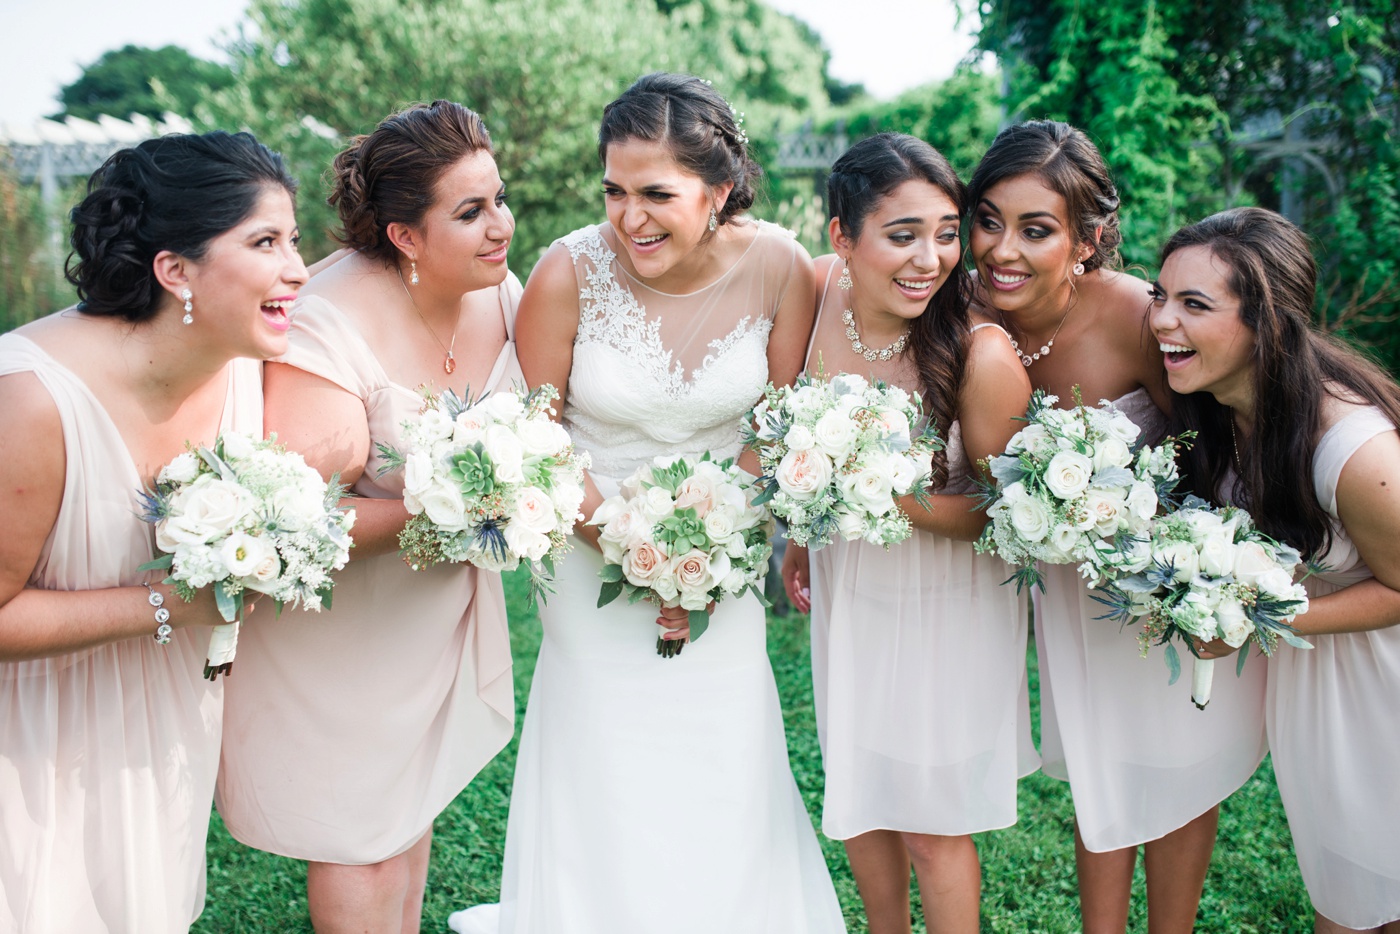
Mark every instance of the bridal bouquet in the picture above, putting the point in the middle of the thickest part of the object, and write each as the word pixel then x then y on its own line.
pixel 1204 573
pixel 1067 484
pixel 243 516
pixel 493 482
pixel 838 454
pixel 683 533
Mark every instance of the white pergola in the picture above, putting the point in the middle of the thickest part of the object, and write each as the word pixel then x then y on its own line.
pixel 47 151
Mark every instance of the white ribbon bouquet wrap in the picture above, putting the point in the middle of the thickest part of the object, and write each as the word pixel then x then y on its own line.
pixel 837 454
pixel 1203 573
pixel 493 481
pixel 246 516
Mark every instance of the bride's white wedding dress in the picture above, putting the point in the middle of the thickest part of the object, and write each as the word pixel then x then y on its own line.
pixel 654 796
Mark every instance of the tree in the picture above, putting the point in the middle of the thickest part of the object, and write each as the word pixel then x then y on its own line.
pixel 313 72
pixel 1199 106
pixel 139 80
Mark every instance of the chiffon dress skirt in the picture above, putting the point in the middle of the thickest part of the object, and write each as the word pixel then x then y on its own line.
pixel 919 672
pixel 1140 759
pixel 652 795
pixel 348 731
pixel 1332 718
pixel 108 754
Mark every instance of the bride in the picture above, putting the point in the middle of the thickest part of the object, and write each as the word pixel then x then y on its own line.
pixel 651 794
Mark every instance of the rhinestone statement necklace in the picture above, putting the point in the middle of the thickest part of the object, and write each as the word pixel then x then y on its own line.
pixel 1028 359
pixel 870 353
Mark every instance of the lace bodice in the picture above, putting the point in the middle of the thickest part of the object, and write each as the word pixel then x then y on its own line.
pixel 674 375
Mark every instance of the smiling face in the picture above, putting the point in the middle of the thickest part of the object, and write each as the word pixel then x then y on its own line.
pixel 908 246
pixel 461 243
pixel 1024 247
pixel 244 286
pixel 659 210
pixel 1196 318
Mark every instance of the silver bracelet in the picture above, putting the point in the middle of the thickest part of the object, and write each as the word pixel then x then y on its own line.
pixel 163 628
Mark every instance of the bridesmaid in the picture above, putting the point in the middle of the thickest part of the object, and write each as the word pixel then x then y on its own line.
pixel 1145 767
pixel 186 264
pixel 349 731
pixel 902 636
pixel 1301 430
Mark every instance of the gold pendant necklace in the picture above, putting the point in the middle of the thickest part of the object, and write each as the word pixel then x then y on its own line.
pixel 449 362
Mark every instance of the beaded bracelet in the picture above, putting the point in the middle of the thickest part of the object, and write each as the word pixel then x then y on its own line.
pixel 163 628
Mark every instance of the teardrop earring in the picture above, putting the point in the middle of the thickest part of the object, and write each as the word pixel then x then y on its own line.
pixel 189 306
pixel 413 271
pixel 714 220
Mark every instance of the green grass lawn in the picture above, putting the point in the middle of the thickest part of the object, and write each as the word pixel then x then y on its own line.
pixel 1028 870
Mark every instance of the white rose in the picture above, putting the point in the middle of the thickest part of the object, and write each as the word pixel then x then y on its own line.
pixel 538 436
pixel 503 448
pixel 850 525
pixel 1142 501
pixel 183 469
pixel 1111 452
pixel 434 425
pixel 523 541
pixel 1233 625
pixel 720 523
pixel 470 426
pixel 803 474
pixel 266 572
pixel 567 498
pixel 902 471
pixel 214 506
pixel 505 406
pixel 609 509
pixel 835 432
pixel 443 505
pixel 643 564
pixel 1182 557
pixel 299 505
pixel 1277 583
pixel 1122 428
pixel 870 489
pixel 656 503
pixel 799 438
pixel 174 533
pixel 1068 474
pixel 1029 518
pixel 895 426
pixel 805 400
pixel 1105 507
pixel 1217 556
pixel 237 445
pixel 534 510
pixel 1251 561
pixel 241 553
pixel 417 472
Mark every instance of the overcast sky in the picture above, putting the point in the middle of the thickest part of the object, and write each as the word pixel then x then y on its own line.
pixel 887 45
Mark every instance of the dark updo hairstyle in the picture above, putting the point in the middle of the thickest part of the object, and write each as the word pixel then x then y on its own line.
pixel 1274 276
pixel 1071 166
pixel 865 174
pixel 173 193
pixel 694 123
pixel 390 175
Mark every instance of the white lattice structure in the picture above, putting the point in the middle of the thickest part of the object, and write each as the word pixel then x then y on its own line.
pixel 50 150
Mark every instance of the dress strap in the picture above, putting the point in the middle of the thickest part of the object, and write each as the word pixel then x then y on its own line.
pixel 817 319
pixel 1338 445
pixel 989 324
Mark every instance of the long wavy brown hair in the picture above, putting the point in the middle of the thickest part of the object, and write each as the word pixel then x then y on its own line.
pixel 938 339
pixel 1273 274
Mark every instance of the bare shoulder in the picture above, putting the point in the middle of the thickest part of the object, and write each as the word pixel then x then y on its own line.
pixel 1122 295
pixel 553 276
pixel 822 265
pixel 1337 403
pixel 31 435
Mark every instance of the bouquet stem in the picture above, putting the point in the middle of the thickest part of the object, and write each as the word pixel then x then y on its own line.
pixel 1202 672
pixel 669 648
pixel 223 645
